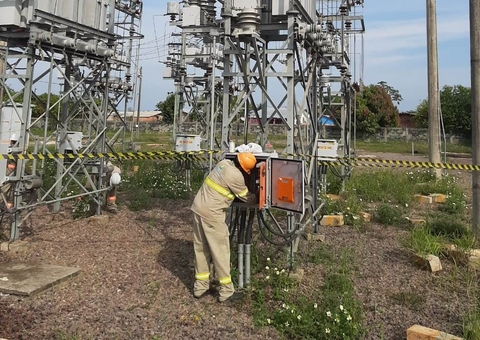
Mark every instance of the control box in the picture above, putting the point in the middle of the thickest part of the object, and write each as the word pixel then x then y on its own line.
pixel 279 182
pixel 187 143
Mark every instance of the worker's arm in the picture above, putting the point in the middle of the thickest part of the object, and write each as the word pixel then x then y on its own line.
pixel 240 190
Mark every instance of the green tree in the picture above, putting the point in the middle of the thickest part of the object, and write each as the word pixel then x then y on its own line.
pixel 167 107
pixel 40 105
pixel 456 108
pixel 375 109
pixel 392 92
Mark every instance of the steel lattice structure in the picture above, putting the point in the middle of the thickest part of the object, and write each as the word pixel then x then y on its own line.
pixel 293 60
pixel 89 45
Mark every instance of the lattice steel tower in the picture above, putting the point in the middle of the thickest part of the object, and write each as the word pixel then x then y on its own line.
pixel 88 46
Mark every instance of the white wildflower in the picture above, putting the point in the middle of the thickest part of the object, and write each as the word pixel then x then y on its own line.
pixel 329 314
pixel 349 318
pixel 341 307
pixel 315 306
pixel 299 317
pixel 267 268
pixel 327 330
pixel 269 321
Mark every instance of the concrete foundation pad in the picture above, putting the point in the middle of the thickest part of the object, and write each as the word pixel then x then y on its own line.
pixel 28 279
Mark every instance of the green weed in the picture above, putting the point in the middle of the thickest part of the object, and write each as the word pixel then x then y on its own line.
pixel 421 241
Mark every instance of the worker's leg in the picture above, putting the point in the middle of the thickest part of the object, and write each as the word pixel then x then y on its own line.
pixel 219 244
pixel 202 257
pixel 112 199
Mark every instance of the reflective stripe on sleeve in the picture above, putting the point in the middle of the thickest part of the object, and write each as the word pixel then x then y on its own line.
pixel 202 276
pixel 243 193
pixel 218 188
pixel 225 280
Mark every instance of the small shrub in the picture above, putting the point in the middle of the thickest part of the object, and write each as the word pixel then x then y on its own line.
pixel 449 226
pixel 81 208
pixel 454 204
pixel 390 215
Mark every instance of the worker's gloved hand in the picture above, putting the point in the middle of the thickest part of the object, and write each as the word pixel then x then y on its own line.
pixel 252 198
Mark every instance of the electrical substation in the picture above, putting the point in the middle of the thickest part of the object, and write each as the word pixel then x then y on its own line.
pixel 84 51
pixel 232 62
pixel 297 61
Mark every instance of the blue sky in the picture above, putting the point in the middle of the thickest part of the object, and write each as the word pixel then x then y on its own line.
pixel 394 49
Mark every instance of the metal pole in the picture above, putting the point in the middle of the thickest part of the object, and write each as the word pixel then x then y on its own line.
pixel 475 89
pixel 212 98
pixel 140 76
pixel 433 95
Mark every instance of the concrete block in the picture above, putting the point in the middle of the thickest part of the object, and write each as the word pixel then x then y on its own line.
pixel 418 332
pixel 332 220
pixel 316 237
pixel 430 262
pixel 438 198
pixel 297 275
pixel 333 197
pixel 423 199
pixel 101 220
pixel 14 247
pixel 367 217
pixel 474 262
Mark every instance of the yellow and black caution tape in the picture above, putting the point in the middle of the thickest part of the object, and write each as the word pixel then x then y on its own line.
pixel 203 154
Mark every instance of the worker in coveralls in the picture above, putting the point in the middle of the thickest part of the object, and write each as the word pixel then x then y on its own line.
pixel 110 170
pixel 8 188
pixel 210 232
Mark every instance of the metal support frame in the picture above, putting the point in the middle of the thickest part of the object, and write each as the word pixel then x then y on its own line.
pixel 94 67
pixel 294 67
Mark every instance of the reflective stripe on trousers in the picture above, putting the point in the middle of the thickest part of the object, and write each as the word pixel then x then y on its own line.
pixel 225 280
pixel 202 276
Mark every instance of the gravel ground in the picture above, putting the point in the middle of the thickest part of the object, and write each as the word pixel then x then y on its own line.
pixel 137 273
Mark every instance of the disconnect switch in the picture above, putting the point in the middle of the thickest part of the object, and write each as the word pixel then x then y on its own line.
pixel 285 191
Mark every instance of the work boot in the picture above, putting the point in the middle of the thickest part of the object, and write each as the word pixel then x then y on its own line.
pixel 234 297
pixel 112 207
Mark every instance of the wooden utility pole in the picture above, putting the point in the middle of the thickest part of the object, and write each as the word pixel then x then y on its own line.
pixel 433 93
pixel 2 70
pixel 475 93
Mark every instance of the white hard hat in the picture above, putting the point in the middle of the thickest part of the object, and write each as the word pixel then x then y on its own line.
pixel 13 137
pixel 115 179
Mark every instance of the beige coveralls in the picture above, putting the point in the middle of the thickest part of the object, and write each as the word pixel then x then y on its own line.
pixel 210 232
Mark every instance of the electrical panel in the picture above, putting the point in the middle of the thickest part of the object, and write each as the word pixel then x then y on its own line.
pixel 285 184
pixel 72 142
pixel 327 148
pixel 193 16
pixel 187 143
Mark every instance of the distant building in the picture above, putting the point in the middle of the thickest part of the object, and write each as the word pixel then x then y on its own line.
pixel 407 119
pixel 143 116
